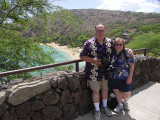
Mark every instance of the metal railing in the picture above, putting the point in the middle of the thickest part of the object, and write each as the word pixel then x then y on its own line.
pixel 62 63
pixel 145 51
pixel 42 67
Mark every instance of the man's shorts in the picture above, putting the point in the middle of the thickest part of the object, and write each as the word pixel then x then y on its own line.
pixel 121 85
pixel 97 85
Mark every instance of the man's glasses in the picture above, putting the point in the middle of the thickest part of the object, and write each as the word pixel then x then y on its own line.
pixel 118 44
pixel 100 31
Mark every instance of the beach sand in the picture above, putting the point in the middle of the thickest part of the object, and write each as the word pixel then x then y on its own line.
pixel 72 52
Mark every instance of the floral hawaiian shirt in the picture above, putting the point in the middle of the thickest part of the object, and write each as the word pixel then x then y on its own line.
pixel 93 49
pixel 121 65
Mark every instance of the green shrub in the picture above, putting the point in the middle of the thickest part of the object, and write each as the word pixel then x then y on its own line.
pixel 147 40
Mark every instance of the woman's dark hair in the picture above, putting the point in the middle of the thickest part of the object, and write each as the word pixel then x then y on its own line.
pixel 119 39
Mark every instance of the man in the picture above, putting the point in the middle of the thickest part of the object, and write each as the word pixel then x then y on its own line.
pixel 95 52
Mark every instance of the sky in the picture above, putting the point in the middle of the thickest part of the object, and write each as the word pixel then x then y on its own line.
pixel 122 5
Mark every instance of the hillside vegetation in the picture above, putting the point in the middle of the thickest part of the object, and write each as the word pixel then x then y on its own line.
pixel 82 23
pixel 146 37
pixel 111 19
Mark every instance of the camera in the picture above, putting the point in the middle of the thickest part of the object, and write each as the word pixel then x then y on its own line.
pixel 110 68
pixel 106 65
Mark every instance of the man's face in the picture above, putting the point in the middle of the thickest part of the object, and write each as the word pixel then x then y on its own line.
pixel 100 33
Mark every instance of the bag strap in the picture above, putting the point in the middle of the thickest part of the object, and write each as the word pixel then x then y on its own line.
pixel 125 55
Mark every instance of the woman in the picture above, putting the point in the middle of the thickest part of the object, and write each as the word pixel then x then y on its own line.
pixel 122 77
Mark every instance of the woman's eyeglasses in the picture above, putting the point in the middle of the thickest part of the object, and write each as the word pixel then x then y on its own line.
pixel 118 44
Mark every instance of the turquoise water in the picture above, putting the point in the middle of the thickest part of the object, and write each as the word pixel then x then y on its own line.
pixel 59 56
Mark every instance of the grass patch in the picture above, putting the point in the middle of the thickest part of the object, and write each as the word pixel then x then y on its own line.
pixel 146 40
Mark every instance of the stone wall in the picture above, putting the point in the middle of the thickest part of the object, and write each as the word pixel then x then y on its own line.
pixel 146 69
pixel 61 95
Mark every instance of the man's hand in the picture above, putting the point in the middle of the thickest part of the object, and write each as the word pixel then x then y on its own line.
pixel 130 51
pixel 96 61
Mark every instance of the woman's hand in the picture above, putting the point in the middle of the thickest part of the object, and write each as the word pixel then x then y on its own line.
pixel 129 80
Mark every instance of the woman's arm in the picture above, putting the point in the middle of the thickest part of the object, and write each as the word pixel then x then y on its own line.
pixel 131 70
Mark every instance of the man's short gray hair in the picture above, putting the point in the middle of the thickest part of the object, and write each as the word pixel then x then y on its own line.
pixel 99 25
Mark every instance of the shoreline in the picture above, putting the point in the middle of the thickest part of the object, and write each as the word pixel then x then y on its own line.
pixel 72 52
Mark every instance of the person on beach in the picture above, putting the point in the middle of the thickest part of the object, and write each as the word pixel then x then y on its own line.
pixel 94 52
pixel 121 82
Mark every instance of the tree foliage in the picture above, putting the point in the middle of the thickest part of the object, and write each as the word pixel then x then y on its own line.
pixel 18 11
pixel 16 51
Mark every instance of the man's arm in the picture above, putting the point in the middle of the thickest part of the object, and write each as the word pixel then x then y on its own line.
pixel 130 51
pixel 91 60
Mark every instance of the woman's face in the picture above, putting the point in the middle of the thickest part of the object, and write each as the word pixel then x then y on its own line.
pixel 119 46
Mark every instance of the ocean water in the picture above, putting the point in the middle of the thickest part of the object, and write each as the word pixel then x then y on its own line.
pixel 59 56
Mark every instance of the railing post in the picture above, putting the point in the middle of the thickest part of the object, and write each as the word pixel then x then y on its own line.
pixel 145 52
pixel 77 66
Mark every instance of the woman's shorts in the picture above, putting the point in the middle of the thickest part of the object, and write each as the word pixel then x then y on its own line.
pixel 120 84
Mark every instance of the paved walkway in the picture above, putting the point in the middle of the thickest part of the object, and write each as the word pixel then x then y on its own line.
pixel 144 104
